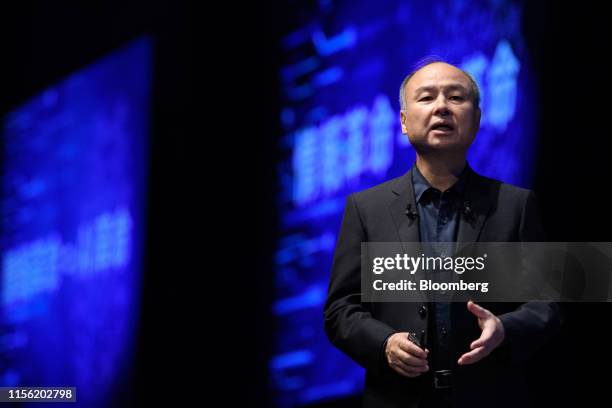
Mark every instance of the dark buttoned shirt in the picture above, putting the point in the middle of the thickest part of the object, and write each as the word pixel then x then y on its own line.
pixel 439 214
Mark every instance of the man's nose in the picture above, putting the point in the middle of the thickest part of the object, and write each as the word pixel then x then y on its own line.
pixel 441 106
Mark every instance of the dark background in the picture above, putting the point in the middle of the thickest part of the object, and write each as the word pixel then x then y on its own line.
pixel 202 209
pixel 42 43
pixel 566 41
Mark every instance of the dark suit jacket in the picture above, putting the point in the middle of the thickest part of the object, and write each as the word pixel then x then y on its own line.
pixel 500 213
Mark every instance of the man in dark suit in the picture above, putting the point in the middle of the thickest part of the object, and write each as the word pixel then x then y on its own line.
pixel 473 355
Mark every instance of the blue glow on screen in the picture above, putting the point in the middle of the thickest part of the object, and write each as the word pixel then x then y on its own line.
pixel 343 64
pixel 73 191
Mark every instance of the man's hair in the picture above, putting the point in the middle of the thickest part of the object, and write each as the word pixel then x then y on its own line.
pixel 432 60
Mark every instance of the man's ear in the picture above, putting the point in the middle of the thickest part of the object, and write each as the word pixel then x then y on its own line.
pixel 403 120
pixel 477 119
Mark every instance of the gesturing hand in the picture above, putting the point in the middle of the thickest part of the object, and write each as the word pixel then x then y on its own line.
pixel 492 335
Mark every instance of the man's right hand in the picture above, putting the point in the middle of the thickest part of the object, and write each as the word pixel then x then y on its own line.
pixel 405 357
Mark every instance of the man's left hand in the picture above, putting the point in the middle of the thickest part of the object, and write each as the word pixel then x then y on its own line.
pixel 491 337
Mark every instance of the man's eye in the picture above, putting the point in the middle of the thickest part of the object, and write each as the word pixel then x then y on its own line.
pixel 426 98
pixel 456 98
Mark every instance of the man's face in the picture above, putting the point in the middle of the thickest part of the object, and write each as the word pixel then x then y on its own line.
pixel 440 114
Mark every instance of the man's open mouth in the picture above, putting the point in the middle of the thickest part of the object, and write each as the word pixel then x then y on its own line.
pixel 442 127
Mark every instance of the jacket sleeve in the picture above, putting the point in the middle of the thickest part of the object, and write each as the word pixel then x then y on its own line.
pixel 534 323
pixel 349 324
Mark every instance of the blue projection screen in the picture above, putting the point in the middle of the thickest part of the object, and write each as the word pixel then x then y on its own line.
pixel 73 202
pixel 343 65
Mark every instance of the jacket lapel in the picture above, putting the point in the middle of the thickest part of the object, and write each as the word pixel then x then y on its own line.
pixel 407 227
pixel 478 201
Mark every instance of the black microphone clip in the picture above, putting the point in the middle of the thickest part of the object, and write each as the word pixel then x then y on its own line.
pixel 411 213
pixel 467 210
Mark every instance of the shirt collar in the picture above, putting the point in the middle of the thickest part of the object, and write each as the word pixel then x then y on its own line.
pixel 421 185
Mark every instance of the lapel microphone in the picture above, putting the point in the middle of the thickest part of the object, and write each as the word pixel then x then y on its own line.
pixel 410 212
pixel 467 210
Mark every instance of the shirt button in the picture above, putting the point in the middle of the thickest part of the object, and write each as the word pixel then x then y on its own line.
pixel 422 311
pixel 444 331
